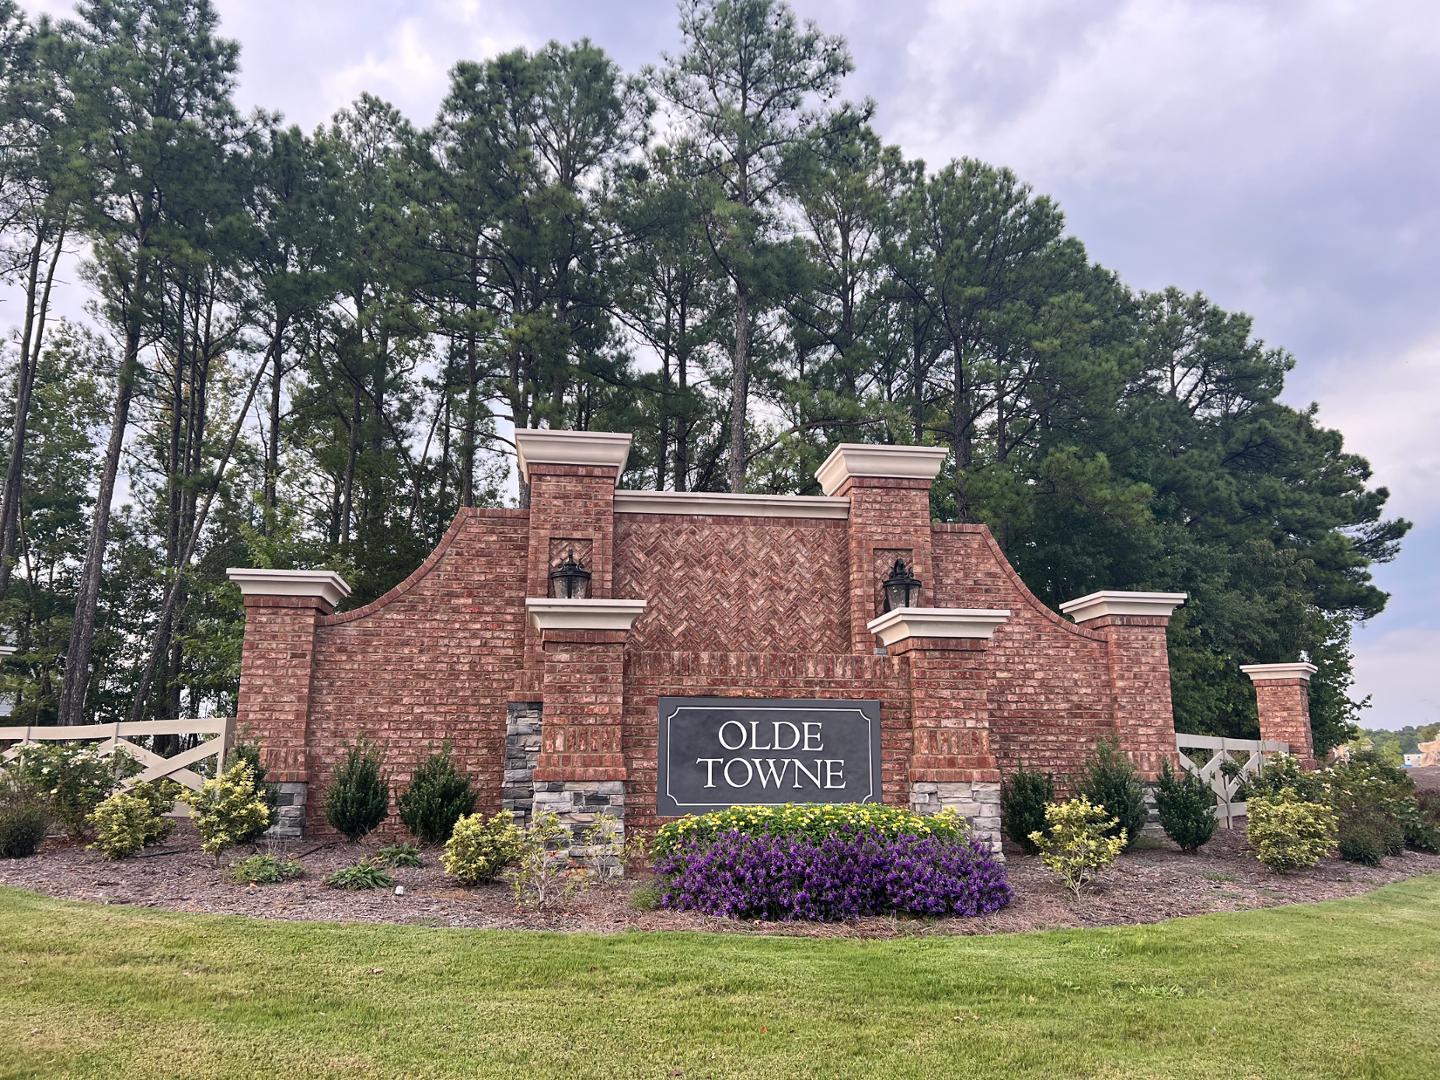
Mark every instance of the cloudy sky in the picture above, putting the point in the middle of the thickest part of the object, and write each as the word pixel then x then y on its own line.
pixel 1280 157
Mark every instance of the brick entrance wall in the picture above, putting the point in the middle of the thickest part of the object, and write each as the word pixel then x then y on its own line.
pixel 758 597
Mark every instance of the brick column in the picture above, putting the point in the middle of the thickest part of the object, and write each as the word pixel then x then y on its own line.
pixel 951 762
pixel 580 774
pixel 1282 693
pixel 572 477
pixel 1139 665
pixel 889 492
pixel 282 609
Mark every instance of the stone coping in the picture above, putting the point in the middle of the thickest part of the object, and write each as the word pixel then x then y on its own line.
pixel 548 613
pixel 1110 602
pixel 327 585
pixel 543 446
pixel 1266 672
pixel 724 504
pixel 878 459
pixel 918 622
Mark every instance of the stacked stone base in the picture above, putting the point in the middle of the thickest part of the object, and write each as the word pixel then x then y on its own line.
pixel 522 751
pixel 580 804
pixel 289 814
pixel 977 801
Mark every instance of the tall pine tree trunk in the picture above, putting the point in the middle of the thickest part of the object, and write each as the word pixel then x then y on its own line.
pixel 739 388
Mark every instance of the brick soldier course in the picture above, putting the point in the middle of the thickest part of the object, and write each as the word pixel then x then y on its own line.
pixel 552 703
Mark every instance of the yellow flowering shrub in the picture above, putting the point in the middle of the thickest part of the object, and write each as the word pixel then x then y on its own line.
pixel 1074 845
pixel 479 847
pixel 1288 832
pixel 809 821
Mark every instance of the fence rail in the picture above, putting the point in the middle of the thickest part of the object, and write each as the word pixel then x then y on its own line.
pixel 1225 769
pixel 122 736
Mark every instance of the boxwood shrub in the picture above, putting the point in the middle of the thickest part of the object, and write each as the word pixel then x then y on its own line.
pixel 808 821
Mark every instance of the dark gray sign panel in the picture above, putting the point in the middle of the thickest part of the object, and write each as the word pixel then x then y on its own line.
pixel 719 752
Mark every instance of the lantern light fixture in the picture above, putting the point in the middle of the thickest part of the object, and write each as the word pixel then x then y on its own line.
pixel 901 588
pixel 570 580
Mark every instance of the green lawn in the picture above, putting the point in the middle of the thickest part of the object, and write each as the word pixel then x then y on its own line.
pixel 1347 988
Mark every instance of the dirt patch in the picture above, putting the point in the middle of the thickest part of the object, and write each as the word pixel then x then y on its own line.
pixel 1154 882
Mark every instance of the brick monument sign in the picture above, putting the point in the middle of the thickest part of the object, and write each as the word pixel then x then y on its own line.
pixel 540 643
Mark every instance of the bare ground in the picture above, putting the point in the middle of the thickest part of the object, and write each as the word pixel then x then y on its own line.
pixel 1155 881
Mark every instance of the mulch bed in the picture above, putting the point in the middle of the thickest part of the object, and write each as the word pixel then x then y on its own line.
pixel 1155 881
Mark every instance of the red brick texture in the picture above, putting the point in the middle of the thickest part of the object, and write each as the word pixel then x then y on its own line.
pixel 1284 706
pixel 756 607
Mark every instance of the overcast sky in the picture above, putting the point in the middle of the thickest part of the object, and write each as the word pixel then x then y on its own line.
pixel 1281 158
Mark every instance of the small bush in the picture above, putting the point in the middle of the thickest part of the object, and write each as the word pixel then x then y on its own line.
pixel 359 794
pixel 1078 842
pixel 24 817
pixel 1422 835
pixel 1023 798
pixel 1186 805
pixel 646 897
pixel 1361 842
pixel 227 808
pixel 264 870
pixel 1428 802
pixel 1112 784
pixel 161 796
pixel 842 876
pixel 249 754
pixel 394 855
pixel 124 823
pixel 363 875
pixel 1289 832
pixel 1283 773
pixel 437 797
pixel 479 848
pixel 74 778
pixel 543 875
pixel 808 821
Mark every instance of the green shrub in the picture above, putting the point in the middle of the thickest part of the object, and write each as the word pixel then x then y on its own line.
pixel 24 817
pixel 1112 783
pixel 1078 842
pixel 227 808
pixel 438 796
pixel 1283 773
pixel 543 876
pixel 1023 798
pixel 1186 805
pixel 124 823
pixel 249 754
pixel 359 794
pixel 1361 842
pixel 1429 804
pixel 264 870
pixel 1369 788
pixel 1289 832
pixel 479 848
pixel 646 897
pixel 1422 835
pixel 74 778
pixel 809 821
pixel 393 855
pixel 363 875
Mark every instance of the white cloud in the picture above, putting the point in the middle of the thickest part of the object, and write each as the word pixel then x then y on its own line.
pixel 1398 669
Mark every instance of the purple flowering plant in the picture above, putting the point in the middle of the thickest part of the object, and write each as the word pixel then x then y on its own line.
pixel 844 875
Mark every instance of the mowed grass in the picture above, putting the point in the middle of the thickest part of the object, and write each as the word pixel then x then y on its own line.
pixel 1345 988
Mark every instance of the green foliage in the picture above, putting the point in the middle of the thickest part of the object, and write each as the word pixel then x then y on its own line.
pixel 249 753
pixel 809 821
pixel 1111 782
pixel 74 778
pixel 1362 841
pixel 1289 832
pixel 24 817
pixel 359 794
pixel 125 823
pixel 264 870
pixel 479 848
pixel 227 809
pixel 543 877
pixel 394 855
pixel 1374 797
pixel 1078 842
pixel 438 796
pixel 646 897
pixel 362 875
pixel 1023 798
pixel 1283 773
pixel 1186 805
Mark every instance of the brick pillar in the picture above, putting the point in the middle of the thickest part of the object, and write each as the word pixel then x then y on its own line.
pixel 889 492
pixel 1139 665
pixel 1282 693
pixel 282 610
pixel 951 762
pixel 572 477
pixel 580 774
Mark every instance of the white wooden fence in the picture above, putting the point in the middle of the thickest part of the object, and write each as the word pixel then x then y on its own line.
pixel 216 734
pixel 1245 757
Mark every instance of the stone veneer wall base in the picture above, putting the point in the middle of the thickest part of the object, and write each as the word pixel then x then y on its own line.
pixel 289 823
pixel 977 801
pixel 579 804
pixel 522 750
